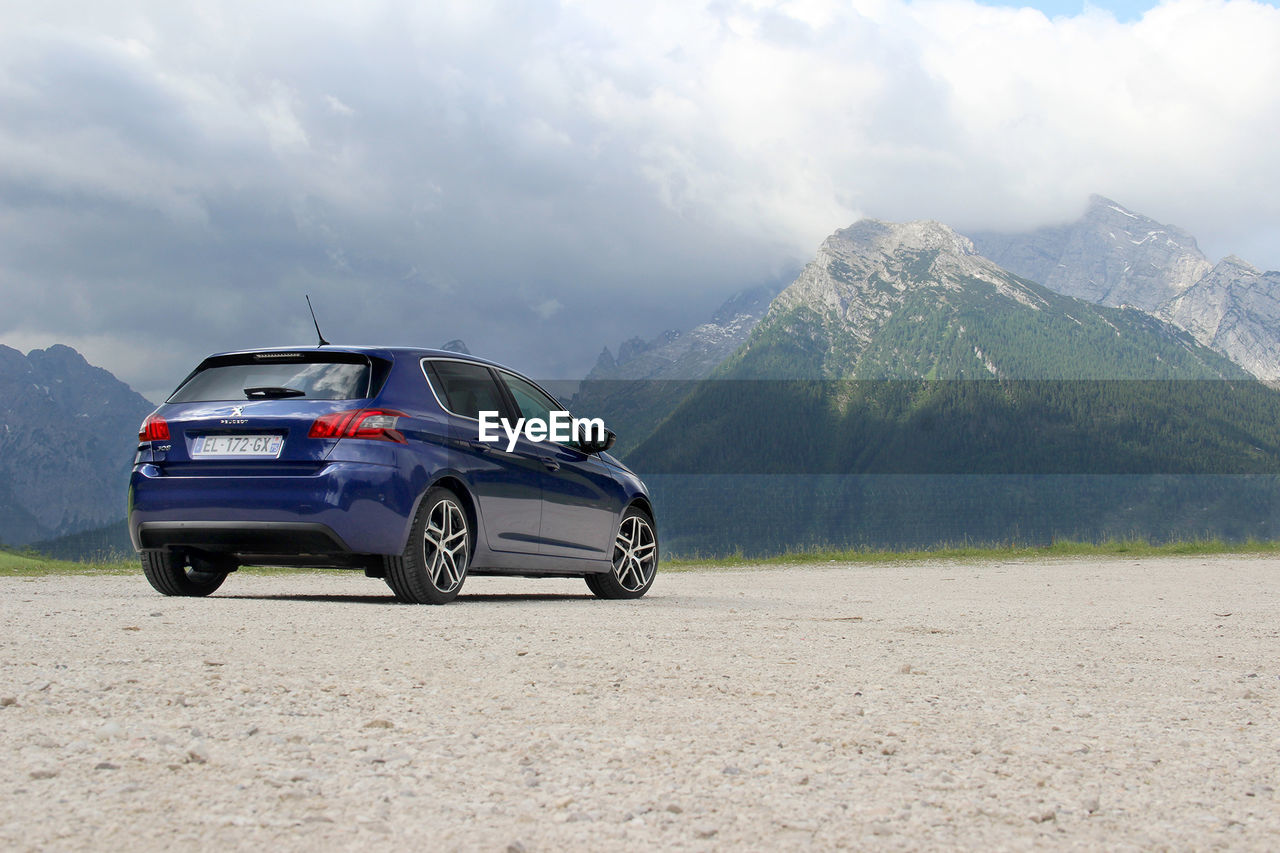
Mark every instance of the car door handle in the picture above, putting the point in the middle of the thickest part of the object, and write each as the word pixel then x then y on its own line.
pixel 551 463
pixel 479 446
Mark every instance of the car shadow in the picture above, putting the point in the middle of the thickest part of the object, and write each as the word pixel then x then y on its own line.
pixel 476 598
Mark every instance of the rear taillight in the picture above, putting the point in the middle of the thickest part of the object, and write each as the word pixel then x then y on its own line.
pixel 154 428
pixel 378 424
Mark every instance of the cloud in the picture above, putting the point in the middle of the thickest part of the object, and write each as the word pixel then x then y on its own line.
pixel 545 179
pixel 547 308
pixel 338 106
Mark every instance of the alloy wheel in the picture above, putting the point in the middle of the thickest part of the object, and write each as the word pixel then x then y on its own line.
pixel 635 554
pixel 445 546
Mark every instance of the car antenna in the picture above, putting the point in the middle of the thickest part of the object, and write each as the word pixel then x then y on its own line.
pixel 319 334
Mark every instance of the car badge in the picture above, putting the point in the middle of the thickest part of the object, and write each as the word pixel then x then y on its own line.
pixel 237 411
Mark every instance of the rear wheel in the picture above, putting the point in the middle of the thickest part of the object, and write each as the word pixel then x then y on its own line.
pixel 174 573
pixel 635 559
pixel 435 559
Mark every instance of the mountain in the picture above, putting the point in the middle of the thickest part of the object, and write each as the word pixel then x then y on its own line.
pixel 633 391
pixel 1110 256
pixel 907 391
pixel 1114 256
pixel 1235 309
pixel 107 544
pixel 68 431
pixel 688 355
pixel 916 300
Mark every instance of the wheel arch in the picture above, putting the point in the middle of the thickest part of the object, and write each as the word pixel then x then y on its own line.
pixel 645 504
pixel 642 501
pixel 459 488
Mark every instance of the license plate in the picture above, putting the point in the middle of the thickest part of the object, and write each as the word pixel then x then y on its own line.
pixel 266 446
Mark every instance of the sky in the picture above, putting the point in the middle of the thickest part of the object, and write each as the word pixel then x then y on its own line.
pixel 546 178
pixel 1123 11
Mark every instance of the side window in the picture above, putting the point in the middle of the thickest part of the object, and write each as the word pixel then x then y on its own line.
pixel 466 389
pixel 532 402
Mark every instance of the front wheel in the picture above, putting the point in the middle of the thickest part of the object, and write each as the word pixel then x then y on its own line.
pixel 172 573
pixel 435 559
pixel 635 559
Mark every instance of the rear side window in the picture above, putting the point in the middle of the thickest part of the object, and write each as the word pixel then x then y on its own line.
pixel 310 376
pixel 465 389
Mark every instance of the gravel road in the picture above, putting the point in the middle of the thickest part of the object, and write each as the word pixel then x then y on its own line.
pixel 1126 704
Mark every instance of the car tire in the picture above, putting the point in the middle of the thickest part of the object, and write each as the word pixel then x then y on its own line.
pixel 436 557
pixel 635 559
pixel 172 573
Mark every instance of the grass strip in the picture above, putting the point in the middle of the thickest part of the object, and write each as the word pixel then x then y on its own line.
pixel 967 553
pixel 30 564
pixel 27 564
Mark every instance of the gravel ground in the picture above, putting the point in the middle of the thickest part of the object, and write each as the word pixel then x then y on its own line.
pixel 1125 704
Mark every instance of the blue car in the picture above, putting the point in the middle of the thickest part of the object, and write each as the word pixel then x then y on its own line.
pixel 376 458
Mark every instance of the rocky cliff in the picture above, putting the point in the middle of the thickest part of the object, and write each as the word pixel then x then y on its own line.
pixel 1236 310
pixel 916 300
pixel 67 436
pixel 691 354
pixel 1114 256
pixel 1111 256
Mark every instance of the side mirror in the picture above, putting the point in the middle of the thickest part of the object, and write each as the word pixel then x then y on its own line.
pixel 595 441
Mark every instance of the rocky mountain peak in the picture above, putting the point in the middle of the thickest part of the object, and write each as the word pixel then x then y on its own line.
pixel 605 364
pixel 872 237
pixel 67 434
pixel 61 356
pixel 1235 309
pixel 690 354
pixel 1102 208
pixel 632 348
pixel 862 273
pixel 1236 263
pixel 12 362
pixel 1110 255
pixel 1114 256
pixel 456 345
pixel 875 275
pixel 914 300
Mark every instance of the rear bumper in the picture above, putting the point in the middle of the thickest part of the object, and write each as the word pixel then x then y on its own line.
pixel 245 537
pixel 344 508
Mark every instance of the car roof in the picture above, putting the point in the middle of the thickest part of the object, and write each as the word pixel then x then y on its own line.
pixel 391 353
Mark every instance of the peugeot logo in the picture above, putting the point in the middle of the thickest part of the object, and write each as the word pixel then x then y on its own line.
pixel 237 411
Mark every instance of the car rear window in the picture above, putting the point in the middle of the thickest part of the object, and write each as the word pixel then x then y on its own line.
pixel 310 376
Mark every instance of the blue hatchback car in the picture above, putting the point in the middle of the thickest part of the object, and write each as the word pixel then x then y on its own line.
pixel 371 458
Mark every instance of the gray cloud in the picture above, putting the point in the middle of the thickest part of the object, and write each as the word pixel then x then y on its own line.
pixel 544 179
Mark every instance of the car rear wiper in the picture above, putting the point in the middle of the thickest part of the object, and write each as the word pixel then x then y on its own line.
pixel 273 392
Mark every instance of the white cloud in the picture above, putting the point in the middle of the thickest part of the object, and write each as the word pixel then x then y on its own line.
pixel 338 106
pixel 636 162
pixel 978 115
pixel 547 308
